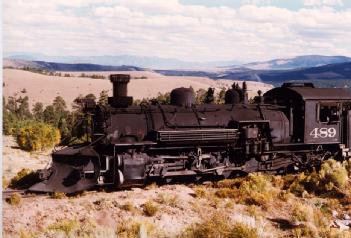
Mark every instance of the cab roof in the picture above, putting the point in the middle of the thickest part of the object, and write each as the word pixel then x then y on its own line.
pixel 307 92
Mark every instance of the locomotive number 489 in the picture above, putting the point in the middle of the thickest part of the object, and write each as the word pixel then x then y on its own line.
pixel 323 133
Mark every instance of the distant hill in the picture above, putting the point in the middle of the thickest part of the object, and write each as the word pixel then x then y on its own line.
pixel 51 66
pixel 117 60
pixel 340 71
pixel 333 73
pixel 305 61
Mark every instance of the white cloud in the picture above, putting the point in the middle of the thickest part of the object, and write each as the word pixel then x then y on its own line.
pixel 256 2
pixel 170 29
pixel 323 2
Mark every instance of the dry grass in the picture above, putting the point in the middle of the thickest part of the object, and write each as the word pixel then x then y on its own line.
pixel 312 221
pixel 201 191
pixel 134 229
pixel 255 189
pixel 257 198
pixel 151 186
pixel 5 182
pixel 26 234
pixel 227 193
pixel 301 213
pixel 150 208
pixel 331 180
pixel 168 199
pixel 219 225
pixel 67 226
pixel 58 195
pixel 129 206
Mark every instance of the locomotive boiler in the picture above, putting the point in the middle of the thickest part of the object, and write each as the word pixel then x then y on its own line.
pixel 289 128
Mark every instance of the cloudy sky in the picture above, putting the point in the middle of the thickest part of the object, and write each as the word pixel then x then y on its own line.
pixel 196 30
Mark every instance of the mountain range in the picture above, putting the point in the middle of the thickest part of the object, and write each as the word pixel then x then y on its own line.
pixel 117 60
pixel 152 62
pixel 304 61
pixel 309 67
pixel 52 66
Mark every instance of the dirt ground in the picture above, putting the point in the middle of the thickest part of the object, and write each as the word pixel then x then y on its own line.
pixel 106 209
pixel 15 159
pixel 176 208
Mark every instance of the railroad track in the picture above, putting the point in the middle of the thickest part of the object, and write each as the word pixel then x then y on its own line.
pixel 23 193
pixel 9 192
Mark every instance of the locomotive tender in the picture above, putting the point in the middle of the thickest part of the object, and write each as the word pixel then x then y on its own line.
pixel 289 128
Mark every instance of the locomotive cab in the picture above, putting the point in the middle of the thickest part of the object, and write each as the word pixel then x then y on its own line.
pixel 315 114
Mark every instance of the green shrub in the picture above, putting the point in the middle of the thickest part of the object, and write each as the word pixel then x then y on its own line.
pixel 5 182
pixel 14 199
pixel 134 229
pixel 12 126
pixel 67 226
pixel 37 136
pixel 229 183
pixel 240 230
pixel 219 225
pixel 226 193
pixel 168 199
pixel 347 165
pixel 150 209
pixel 129 207
pixel 26 234
pixel 58 195
pixel 254 189
pixel 301 213
pixel 200 192
pixel 333 175
pixel 332 178
pixel 24 179
pixel 212 227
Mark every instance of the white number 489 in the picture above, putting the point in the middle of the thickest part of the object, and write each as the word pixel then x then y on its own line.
pixel 323 132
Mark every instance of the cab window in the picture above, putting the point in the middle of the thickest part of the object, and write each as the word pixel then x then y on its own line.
pixel 329 112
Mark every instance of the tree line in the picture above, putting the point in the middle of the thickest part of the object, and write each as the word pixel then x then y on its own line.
pixel 42 127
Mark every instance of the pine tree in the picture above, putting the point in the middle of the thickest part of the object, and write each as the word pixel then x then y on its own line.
pixel 59 104
pixel 38 111
pixel 23 111
pixel 49 115
pixel 221 96
pixel 103 98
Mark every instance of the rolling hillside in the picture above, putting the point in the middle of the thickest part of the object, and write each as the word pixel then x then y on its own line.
pixel 144 84
pixel 52 66
pixel 332 75
pixel 305 61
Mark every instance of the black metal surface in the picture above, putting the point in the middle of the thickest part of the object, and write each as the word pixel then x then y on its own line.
pixel 197 135
pixel 120 91
pixel 293 126
pixel 64 178
pixel 182 97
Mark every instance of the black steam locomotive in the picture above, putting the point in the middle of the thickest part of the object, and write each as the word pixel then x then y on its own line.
pixel 289 128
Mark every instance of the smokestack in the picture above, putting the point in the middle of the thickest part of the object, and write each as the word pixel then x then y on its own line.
pixel 120 84
pixel 120 91
pixel 245 94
